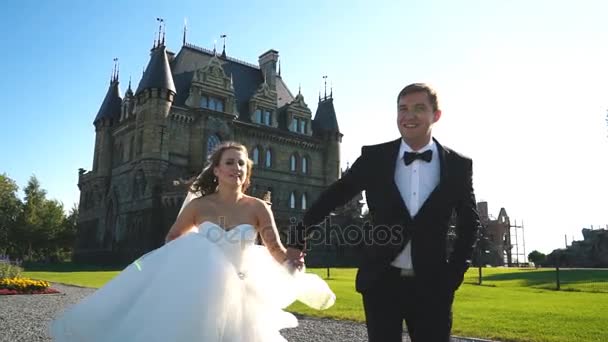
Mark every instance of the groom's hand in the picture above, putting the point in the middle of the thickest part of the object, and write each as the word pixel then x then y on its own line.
pixel 295 257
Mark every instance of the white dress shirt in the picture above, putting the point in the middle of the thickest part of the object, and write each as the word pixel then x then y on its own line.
pixel 415 183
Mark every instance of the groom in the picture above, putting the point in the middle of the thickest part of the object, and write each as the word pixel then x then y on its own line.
pixel 412 185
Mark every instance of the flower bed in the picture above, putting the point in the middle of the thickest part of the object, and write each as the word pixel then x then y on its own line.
pixel 11 282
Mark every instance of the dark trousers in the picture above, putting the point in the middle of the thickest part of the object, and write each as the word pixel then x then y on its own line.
pixel 425 306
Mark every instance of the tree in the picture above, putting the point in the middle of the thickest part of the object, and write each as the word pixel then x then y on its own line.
pixel 10 208
pixel 40 221
pixel 537 257
pixel 37 228
pixel 66 238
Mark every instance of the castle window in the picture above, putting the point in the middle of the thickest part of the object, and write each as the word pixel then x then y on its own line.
pixel 304 164
pixel 255 155
pixel 292 162
pixel 121 152
pixel 132 148
pixel 212 142
pixel 257 118
pixel 303 202
pixel 292 200
pixel 268 162
pixel 140 142
pixel 212 103
pixel 298 125
pixel 294 125
pixel 302 126
pixel 263 116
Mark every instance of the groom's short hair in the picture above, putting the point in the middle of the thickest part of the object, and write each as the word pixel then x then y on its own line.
pixel 421 87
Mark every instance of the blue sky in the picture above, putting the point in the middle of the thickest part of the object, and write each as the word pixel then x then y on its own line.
pixel 522 85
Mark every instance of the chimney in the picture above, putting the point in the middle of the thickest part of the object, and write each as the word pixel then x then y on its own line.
pixel 268 65
pixel 482 207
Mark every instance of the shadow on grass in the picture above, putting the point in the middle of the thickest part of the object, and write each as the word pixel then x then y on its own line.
pixel 69 267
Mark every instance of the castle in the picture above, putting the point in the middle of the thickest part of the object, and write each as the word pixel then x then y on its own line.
pixel 184 105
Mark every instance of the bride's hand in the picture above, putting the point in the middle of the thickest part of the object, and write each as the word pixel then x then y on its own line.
pixel 295 257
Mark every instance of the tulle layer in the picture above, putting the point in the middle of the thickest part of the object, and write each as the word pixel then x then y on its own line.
pixel 195 289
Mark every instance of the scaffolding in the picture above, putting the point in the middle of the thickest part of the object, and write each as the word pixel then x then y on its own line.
pixel 517 237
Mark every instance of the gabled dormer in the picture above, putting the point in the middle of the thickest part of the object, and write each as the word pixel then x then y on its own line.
pixel 263 106
pixel 212 89
pixel 298 116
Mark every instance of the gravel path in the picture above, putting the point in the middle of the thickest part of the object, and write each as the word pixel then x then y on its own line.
pixel 25 319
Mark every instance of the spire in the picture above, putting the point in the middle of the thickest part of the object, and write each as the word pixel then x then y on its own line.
pixel 325 118
pixel 129 91
pixel 185 31
pixel 331 90
pixel 116 70
pixel 279 68
pixel 299 88
pixel 158 72
pixel 214 42
pixel 110 107
pixel 224 48
pixel 161 36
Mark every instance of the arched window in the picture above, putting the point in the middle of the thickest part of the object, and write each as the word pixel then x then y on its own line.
pixel 212 142
pixel 268 162
pixel 292 200
pixel 132 147
pixel 304 201
pixel 140 142
pixel 292 162
pixel 304 164
pixel 255 155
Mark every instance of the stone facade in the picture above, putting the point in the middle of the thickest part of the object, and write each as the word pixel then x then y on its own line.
pixel 592 251
pixel 494 246
pixel 185 104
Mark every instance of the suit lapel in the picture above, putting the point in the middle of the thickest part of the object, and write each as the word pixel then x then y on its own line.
pixel 436 194
pixel 394 196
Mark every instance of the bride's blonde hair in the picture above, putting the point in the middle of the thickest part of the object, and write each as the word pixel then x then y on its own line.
pixel 206 182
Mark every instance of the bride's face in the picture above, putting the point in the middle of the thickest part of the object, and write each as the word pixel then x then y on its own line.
pixel 232 170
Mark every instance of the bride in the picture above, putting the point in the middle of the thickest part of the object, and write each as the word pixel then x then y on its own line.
pixel 210 282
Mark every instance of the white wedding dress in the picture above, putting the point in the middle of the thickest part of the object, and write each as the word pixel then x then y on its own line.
pixel 206 286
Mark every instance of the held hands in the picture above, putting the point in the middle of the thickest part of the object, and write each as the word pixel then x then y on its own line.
pixel 295 259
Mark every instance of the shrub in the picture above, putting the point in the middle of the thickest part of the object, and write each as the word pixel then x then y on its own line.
pixel 9 269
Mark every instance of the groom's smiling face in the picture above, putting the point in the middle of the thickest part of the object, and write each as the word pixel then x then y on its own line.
pixel 415 117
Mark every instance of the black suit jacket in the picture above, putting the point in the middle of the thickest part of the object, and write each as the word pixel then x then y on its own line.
pixel 373 172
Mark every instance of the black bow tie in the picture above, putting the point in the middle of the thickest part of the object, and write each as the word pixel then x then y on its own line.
pixel 409 157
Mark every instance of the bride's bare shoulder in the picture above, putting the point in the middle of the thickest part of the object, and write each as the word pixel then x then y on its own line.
pixel 254 201
pixel 203 201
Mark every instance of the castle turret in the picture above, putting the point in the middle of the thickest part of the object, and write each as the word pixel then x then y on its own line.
pixel 325 126
pixel 107 116
pixel 154 97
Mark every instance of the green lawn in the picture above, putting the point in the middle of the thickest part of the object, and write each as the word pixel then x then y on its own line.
pixel 511 305
pixel 89 276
